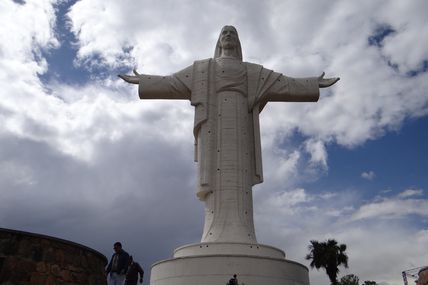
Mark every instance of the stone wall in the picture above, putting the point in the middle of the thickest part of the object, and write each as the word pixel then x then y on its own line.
pixel 27 258
pixel 423 276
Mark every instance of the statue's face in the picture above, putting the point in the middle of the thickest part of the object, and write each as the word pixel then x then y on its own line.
pixel 228 38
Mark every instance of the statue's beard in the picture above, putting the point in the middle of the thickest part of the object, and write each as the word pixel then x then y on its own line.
pixel 229 45
pixel 229 49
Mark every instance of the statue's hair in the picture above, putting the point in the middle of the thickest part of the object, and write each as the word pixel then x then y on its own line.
pixel 217 52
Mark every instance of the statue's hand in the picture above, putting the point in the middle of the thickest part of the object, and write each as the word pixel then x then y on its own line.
pixel 326 82
pixel 130 78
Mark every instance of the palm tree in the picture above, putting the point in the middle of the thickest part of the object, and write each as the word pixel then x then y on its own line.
pixel 328 255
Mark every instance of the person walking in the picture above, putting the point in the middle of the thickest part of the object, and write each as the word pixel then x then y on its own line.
pixel 132 274
pixel 118 265
pixel 233 280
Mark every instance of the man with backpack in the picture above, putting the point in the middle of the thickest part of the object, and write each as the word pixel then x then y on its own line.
pixel 132 274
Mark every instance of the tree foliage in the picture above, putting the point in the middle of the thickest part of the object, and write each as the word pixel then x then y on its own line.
pixel 349 279
pixel 328 255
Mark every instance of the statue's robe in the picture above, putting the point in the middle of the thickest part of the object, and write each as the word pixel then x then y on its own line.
pixel 228 96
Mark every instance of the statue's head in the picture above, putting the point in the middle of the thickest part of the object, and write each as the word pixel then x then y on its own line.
pixel 228 39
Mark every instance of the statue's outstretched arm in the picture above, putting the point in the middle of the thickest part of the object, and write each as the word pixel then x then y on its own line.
pixel 131 78
pixel 289 89
pixel 161 87
pixel 326 82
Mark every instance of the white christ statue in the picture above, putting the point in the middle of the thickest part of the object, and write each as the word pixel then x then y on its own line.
pixel 228 95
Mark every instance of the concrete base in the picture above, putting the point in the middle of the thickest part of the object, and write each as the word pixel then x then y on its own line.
pixel 254 268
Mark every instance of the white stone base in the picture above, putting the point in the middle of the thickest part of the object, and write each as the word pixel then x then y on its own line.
pixel 217 269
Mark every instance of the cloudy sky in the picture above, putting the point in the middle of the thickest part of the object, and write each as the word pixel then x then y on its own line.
pixel 82 158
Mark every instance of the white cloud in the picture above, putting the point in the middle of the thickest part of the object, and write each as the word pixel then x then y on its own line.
pixel 369 175
pixel 410 193
pixel 26 30
pixel 405 46
pixel 290 198
pixel 328 195
pixel 17 174
pixel 287 166
pixel 317 151
pixel 392 208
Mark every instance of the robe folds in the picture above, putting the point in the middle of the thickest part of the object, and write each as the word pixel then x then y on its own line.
pixel 228 96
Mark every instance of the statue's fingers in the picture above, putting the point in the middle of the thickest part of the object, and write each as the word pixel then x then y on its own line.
pixel 322 75
pixel 327 82
pixel 333 80
pixel 135 72
pixel 130 79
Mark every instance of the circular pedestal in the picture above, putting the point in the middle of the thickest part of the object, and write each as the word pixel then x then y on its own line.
pixel 229 248
pixel 215 263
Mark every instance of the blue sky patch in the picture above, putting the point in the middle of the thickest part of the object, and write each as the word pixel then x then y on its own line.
pixel 61 65
pixel 380 33
pixel 423 68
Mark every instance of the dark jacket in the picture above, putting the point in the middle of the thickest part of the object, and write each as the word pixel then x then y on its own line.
pixel 133 270
pixel 233 281
pixel 122 264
